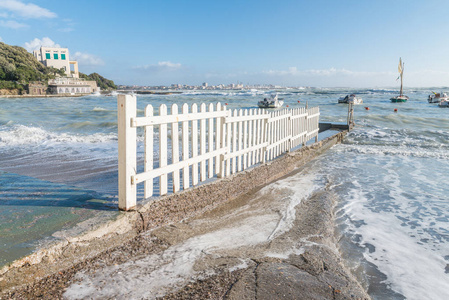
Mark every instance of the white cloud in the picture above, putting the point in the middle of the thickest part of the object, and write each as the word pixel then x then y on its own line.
pixel 1 40
pixel 37 43
pixel 68 29
pixel 161 66
pixel 26 10
pixel 87 59
pixel 69 24
pixel 12 24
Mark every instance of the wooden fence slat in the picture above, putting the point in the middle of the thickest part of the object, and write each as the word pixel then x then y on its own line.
pixel 148 152
pixel 194 145
pixel 175 147
pixel 228 145
pixel 142 177
pixel 219 143
pixel 210 143
pixel 245 140
pixel 203 143
pixel 185 148
pixel 250 139
pixel 240 141
pixel 163 181
pixel 234 142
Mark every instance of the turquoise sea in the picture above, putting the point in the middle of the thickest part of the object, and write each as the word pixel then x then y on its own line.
pixel 58 173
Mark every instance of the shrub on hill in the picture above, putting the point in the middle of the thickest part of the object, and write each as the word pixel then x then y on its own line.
pixel 103 83
pixel 18 65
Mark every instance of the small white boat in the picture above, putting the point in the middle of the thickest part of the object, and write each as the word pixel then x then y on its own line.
pixel 272 102
pixel 350 99
pixel 437 97
pixel 444 103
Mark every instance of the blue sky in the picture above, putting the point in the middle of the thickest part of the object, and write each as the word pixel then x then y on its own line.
pixel 324 43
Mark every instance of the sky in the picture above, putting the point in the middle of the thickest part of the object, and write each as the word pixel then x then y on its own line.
pixel 320 43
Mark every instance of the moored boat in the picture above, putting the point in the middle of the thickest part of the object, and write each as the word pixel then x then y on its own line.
pixel 272 102
pixel 444 103
pixel 401 97
pixel 437 97
pixel 350 99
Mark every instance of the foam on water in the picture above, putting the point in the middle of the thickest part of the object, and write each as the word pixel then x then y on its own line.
pixel 20 135
pixel 408 256
pixel 395 211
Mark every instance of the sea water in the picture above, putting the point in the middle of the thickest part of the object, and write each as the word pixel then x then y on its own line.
pixel 58 171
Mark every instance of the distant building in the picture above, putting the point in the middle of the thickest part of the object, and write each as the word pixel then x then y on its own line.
pixel 37 88
pixel 71 86
pixel 57 58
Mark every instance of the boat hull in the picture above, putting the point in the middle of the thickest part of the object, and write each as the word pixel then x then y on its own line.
pixel 444 103
pixel 277 104
pixel 355 101
pixel 350 99
pixel 399 99
pixel 437 99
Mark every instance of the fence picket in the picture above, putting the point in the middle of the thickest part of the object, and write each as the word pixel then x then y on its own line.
pixel 175 147
pixel 210 147
pixel 185 148
pixel 218 141
pixel 148 152
pixel 234 141
pixel 163 181
pixel 203 143
pixel 194 136
pixel 240 141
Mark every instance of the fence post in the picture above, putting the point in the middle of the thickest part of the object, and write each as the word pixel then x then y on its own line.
pixel 126 109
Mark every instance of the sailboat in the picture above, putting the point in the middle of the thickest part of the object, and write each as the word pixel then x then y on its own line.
pixel 401 97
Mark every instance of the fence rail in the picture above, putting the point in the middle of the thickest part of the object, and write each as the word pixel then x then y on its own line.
pixel 193 145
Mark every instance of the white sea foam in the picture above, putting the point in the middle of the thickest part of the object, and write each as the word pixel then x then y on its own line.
pixel 410 270
pixel 97 108
pixel 395 209
pixel 151 276
pixel 400 150
pixel 296 188
pixel 21 135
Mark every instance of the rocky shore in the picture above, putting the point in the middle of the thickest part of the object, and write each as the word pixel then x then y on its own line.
pixel 262 244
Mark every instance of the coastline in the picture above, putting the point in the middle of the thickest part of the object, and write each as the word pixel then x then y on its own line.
pixel 135 234
pixel 43 96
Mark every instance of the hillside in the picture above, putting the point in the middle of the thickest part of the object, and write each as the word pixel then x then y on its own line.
pixel 18 67
pixel 103 83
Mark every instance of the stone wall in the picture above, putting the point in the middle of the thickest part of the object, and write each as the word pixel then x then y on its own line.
pixel 9 92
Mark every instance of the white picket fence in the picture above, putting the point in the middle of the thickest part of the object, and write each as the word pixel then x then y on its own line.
pixel 202 143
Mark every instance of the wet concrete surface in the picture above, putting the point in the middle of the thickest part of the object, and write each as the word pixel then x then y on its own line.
pixel 227 253
pixel 264 244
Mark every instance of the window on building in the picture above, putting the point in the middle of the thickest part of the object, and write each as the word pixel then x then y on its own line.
pixel 47 55
pixel 55 55
pixel 62 56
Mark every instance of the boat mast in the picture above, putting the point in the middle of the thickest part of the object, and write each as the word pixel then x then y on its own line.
pixel 402 72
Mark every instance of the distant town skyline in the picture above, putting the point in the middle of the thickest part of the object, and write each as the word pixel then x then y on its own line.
pixel 321 43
